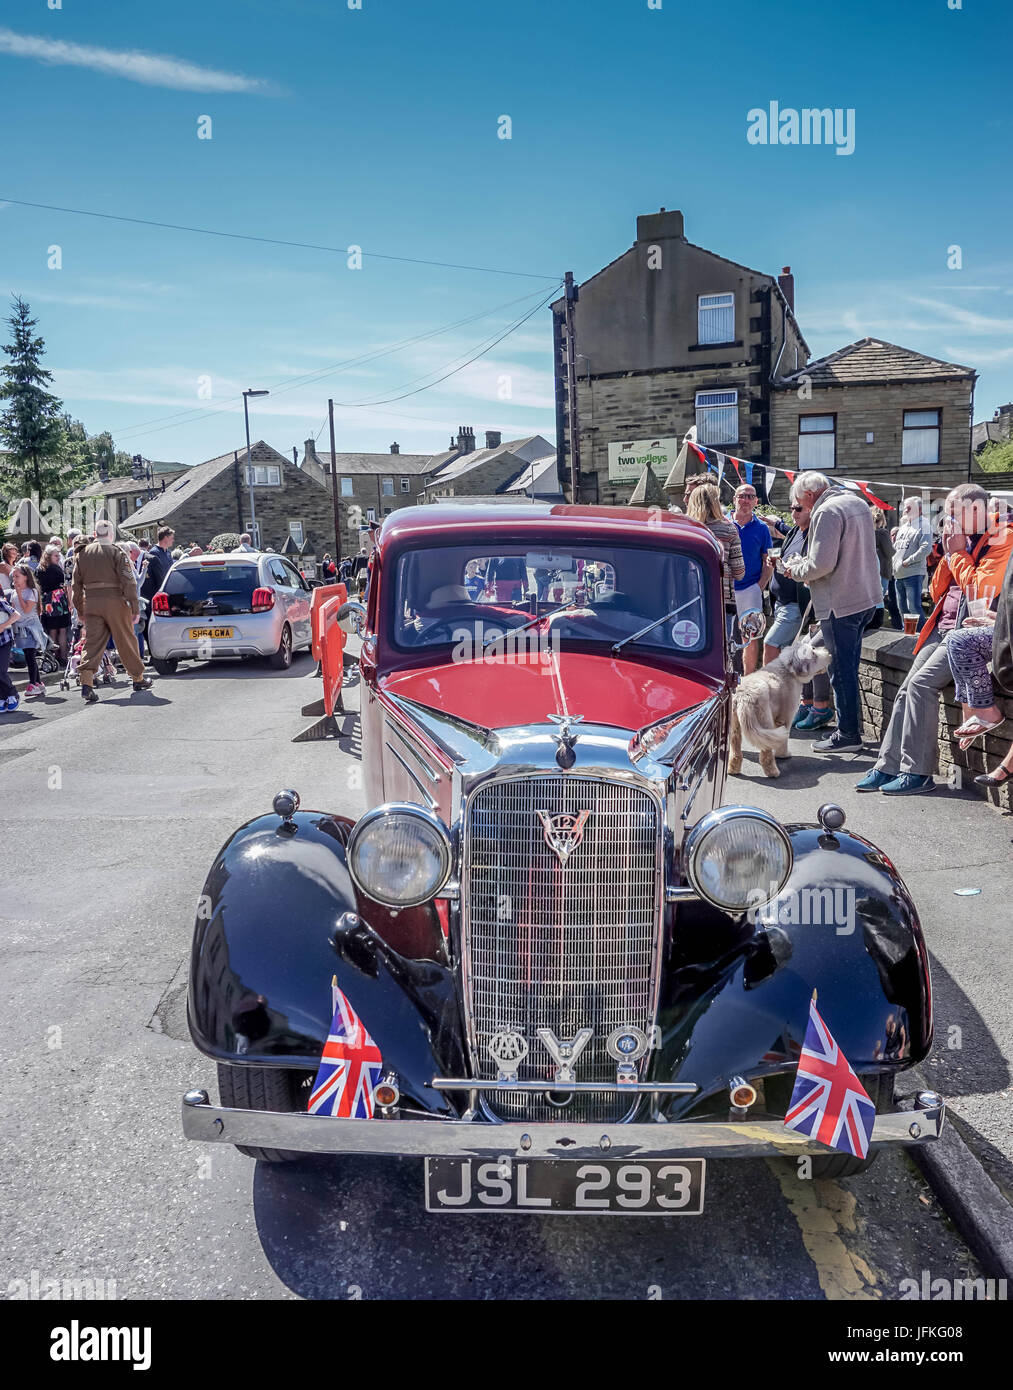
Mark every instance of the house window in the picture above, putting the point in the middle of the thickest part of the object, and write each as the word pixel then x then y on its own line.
pixel 817 442
pixel 295 530
pixel 715 318
pixel 920 436
pixel 346 487
pixel 253 528
pixel 264 475
pixel 717 417
pixel 406 484
pixel 370 513
pixel 138 502
pixel 388 487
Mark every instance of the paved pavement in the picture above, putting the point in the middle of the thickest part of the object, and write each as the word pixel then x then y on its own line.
pixel 954 852
pixel 115 812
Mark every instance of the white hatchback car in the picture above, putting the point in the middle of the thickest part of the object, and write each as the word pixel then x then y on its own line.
pixel 240 604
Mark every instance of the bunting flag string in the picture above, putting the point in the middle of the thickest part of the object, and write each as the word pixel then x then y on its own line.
pixel 714 460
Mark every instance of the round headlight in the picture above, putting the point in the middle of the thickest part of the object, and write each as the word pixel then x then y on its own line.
pixel 399 855
pixel 735 854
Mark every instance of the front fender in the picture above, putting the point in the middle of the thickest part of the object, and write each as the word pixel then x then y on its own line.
pixel 845 926
pixel 270 938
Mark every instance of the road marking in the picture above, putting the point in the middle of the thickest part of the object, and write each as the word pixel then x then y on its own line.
pixel 823 1211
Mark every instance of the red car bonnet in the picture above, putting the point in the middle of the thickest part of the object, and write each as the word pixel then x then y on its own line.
pixel 603 689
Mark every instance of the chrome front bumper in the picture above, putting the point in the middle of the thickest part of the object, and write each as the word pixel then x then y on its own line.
pixel 410 1138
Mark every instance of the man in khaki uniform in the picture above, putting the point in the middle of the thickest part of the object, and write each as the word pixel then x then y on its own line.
pixel 105 594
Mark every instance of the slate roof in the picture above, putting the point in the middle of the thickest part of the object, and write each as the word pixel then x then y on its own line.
pixel 387 465
pixel 164 505
pixel 115 486
pixel 873 362
pixel 467 462
pixel 536 478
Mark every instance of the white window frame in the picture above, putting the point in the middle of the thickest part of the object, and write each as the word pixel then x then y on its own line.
pixel 708 315
pixel 708 430
pixel 347 487
pixel 916 434
pixel 385 484
pixel 818 465
pixel 371 514
pixel 406 484
pixel 293 526
pixel 271 475
pixel 253 527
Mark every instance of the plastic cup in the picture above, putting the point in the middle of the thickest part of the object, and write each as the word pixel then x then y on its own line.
pixel 910 624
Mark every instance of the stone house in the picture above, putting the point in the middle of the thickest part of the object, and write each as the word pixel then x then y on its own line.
pixel 667 336
pixel 294 514
pixel 124 497
pixel 498 468
pixel 370 486
pixel 879 412
pixel 671 335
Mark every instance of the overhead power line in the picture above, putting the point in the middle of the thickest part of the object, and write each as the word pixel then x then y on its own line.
pixel 273 241
pixel 195 415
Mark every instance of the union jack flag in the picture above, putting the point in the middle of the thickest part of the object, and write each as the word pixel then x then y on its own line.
pixel 828 1101
pixel 350 1067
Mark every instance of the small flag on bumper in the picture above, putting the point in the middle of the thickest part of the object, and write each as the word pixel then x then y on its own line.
pixel 349 1069
pixel 829 1102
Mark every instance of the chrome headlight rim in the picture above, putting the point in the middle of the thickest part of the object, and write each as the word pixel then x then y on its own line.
pixel 698 834
pixel 416 812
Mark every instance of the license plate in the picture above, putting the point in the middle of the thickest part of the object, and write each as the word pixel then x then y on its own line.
pixel 197 633
pixel 655 1187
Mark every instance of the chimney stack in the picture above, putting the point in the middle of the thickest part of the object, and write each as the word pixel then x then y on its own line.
pixel 395 448
pixel 295 455
pixel 310 451
pixel 787 283
pixel 465 440
pixel 657 226
pixel 493 439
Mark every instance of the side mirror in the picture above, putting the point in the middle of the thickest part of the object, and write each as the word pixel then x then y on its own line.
pixel 751 625
pixel 352 619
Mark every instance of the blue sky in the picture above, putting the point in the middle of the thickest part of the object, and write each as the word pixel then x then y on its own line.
pixel 379 127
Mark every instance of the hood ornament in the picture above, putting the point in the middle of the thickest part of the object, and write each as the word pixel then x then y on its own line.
pixel 566 737
pixel 563 833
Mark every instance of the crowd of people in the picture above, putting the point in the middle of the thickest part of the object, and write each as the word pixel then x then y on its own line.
pixel 840 562
pixel 73 603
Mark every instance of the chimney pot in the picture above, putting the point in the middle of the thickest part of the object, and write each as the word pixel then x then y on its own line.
pixel 787 283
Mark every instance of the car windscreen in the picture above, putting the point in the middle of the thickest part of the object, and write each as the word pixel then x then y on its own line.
pixel 472 593
pixel 195 589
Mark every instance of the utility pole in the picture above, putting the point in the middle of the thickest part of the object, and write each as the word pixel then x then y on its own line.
pixel 571 294
pixel 334 486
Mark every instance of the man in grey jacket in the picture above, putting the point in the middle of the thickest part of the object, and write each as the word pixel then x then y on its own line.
pixel 841 568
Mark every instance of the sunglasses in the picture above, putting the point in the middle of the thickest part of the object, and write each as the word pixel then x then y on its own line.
pixel 796 508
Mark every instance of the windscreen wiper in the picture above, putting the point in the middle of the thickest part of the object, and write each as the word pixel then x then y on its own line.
pixel 539 617
pixel 633 637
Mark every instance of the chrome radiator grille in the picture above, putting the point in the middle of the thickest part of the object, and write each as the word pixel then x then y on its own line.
pixel 560 946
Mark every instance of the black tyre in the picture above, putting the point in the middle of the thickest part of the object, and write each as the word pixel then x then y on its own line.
pixel 263 1088
pixel 281 660
pixel 164 668
pixel 880 1089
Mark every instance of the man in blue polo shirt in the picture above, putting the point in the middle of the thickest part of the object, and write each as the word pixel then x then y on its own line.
pixel 755 538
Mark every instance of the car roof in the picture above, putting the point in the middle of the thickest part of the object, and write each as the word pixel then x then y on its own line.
pixel 434 522
pixel 233 557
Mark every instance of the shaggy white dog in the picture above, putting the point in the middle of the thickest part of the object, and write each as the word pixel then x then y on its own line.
pixel 765 702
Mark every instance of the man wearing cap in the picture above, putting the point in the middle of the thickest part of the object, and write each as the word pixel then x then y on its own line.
pixel 105 594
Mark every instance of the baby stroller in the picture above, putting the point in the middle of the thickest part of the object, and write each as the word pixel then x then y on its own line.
pixel 49 660
pixel 106 670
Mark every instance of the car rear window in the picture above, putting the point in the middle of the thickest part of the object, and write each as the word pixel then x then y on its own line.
pixel 227 587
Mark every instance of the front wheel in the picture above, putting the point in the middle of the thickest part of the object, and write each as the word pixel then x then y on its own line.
pixel 263 1088
pixel 164 668
pixel 281 660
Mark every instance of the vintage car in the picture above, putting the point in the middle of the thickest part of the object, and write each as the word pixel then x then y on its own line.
pixel 579 973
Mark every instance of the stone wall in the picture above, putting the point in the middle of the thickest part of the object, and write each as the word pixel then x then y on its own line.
pixel 878 410
pixel 886 660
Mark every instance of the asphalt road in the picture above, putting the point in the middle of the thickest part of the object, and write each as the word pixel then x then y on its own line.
pixel 115 812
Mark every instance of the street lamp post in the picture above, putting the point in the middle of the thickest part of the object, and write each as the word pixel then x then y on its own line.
pixel 249 462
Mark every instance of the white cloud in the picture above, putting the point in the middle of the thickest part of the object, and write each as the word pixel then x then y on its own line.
pixel 152 69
